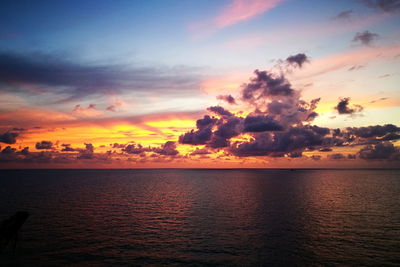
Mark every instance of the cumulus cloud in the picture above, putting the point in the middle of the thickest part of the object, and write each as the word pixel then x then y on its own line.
pixel 68 148
pixel 44 145
pixel 365 38
pixel 219 111
pixel 135 149
pixel 261 123
pixel 297 60
pixel 8 137
pixel 373 131
pixel 8 150
pixel 87 153
pixel 265 85
pixel 279 124
pixel 167 149
pixel 202 134
pixel 343 107
pixel 384 150
pixel 227 98
pixel 200 151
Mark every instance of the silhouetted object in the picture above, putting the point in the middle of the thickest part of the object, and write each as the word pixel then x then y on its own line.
pixel 9 229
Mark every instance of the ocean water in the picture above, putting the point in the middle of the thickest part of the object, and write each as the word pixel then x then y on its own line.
pixel 204 217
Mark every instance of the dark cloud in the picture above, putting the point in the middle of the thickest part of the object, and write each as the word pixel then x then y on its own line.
pixel 280 124
pixel 227 98
pixel 265 85
pixel 325 149
pixel 295 154
pixel 200 151
pixel 8 150
pixel 261 124
pixel 19 129
pixel 219 111
pixel 87 153
pixel 316 157
pixel 365 38
pixel 202 134
pixel 297 60
pixel 391 137
pixel 384 150
pixel 225 130
pixel 168 149
pixel 9 137
pixel 135 149
pixel 383 5
pixel 51 73
pixel 337 156
pixel 68 148
pixel 199 137
pixel 116 145
pixel 44 145
pixel 296 139
pixel 25 151
pixel 346 14
pixel 343 107
pixel 373 131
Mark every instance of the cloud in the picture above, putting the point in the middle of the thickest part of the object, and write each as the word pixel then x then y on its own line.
pixel 75 80
pixel 227 98
pixel 167 149
pixel 241 10
pixel 278 124
pixel 296 139
pixel 297 60
pixel 9 137
pixel 373 131
pixel 135 149
pixel 68 148
pixel 346 14
pixel 202 134
pixel 200 151
pixel 19 129
pixel 24 151
pixel 384 150
pixel 235 12
pixel 356 67
pixel 8 150
pixel 343 107
pixel 220 111
pixel 337 156
pixel 87 153
pixel 44 145
pixel 266 84
pixel 261 124
pixel 389 6
pixel 365 38
pixel 89 111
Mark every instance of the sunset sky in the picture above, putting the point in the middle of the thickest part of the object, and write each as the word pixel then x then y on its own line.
pixel 203 84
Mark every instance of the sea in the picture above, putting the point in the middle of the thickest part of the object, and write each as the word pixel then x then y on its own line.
pixel 203 217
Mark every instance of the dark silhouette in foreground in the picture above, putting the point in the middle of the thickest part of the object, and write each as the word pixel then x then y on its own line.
pixel 9 229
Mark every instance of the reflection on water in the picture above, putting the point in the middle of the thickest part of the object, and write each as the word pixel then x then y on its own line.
pixel 204 217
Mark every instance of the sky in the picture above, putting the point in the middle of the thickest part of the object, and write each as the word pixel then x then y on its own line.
pixel 200 84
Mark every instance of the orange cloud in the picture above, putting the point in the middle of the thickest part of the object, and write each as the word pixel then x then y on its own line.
pixel 237 11
pixel 241 10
